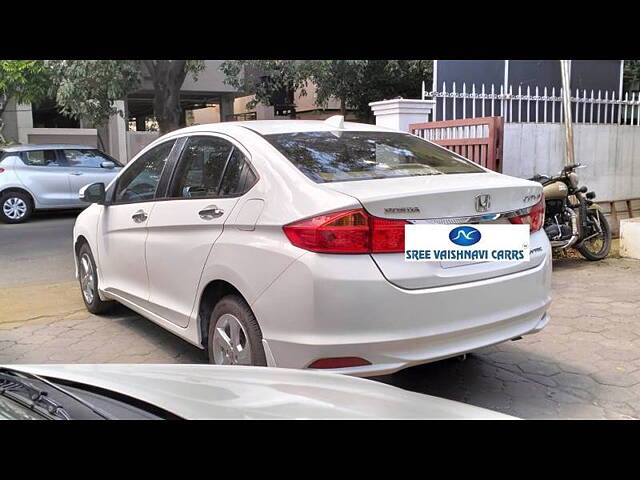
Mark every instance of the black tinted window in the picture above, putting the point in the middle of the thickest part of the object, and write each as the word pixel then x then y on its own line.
pixel 42 158
pixel 139 182
pixel 200 168
pixel 340 156
pixel 88 158
pixel 238 177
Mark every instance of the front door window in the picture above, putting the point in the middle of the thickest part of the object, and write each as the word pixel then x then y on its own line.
pixel 139 182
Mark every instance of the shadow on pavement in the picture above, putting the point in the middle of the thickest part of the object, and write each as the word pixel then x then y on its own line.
pixel 44 215
pixel 166 342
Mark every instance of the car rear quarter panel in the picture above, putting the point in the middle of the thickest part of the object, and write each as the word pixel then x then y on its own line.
pixel 251 260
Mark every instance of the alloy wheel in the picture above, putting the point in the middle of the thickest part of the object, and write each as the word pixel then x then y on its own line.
pixel 230 342
pixel 14 208
pixel 87 278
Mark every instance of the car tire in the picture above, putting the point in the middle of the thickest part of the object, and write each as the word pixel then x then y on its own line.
pixel 88 278
pixel 235 337
pixel 15 207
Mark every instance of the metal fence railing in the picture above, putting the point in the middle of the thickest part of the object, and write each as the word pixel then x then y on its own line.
pixel 532 104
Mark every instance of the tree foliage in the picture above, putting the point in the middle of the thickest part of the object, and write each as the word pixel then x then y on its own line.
pixel 266 77
pixel 88 88
pixel 24 80
pixel 354 83
pixel 631 76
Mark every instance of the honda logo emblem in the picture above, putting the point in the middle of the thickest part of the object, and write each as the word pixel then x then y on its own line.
pixel 483 202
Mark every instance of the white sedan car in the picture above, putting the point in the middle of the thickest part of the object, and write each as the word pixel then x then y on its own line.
pixel 281 243
pixel 209 392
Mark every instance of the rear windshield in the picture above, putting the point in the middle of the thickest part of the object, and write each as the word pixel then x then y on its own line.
pixel 343 156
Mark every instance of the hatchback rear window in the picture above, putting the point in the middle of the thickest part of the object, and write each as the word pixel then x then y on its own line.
pixel 343 156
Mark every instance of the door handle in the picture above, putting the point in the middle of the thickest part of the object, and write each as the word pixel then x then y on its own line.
pixel 76 173
pixel 210 212
pixel 140 216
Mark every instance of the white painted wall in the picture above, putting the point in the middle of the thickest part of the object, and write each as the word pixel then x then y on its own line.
pixel 611 153
pixel 79 136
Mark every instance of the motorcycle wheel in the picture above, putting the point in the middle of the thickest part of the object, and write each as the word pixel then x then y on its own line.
pixel 598 247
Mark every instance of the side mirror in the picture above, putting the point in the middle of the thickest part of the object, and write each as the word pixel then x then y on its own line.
pixel 94 193
pixel 108 164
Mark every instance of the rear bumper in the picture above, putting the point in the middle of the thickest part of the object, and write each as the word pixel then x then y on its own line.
pixel 341 306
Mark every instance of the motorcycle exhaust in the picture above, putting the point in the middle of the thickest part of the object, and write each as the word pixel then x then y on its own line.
pixel 562 244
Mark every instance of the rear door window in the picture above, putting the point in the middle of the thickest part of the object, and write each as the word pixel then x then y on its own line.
pixel 43 158
pixel 201 167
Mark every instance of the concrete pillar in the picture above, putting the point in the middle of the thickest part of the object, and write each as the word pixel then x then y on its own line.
pixel 117 143
pixel 399 113
pixel 265 112
pixel 17 118
pixel 630 238
pixel 226 107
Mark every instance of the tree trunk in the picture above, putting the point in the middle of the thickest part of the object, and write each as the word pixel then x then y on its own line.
pixel 101 144
pixel 168 77
pixel 343 108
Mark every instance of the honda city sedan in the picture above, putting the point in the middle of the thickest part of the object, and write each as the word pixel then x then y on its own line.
pixel 281 243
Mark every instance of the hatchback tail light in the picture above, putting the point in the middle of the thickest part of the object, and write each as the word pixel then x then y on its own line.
pixel 347 231
pixel 535 218
pixel 1 169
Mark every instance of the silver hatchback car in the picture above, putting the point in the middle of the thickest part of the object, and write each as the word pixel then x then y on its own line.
pixel 40 177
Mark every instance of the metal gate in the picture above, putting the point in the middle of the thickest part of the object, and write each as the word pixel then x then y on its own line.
pixel 478 139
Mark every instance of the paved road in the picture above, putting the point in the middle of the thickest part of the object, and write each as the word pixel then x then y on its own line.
pixel 585 364
pixel 38 251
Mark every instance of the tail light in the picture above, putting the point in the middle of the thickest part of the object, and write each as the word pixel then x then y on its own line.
pixel 1 169
pixel 349 231
pixel 535 218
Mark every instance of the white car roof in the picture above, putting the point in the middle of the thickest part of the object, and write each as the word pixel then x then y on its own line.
pixel 267 127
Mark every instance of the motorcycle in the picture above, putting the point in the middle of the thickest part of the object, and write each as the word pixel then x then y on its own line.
pixel 572 218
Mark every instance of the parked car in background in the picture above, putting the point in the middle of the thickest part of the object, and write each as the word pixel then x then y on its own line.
pixel 281 243
pixel 208 392
pixel 46 177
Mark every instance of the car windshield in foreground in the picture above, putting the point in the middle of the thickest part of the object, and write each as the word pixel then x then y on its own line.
pixel 26 395
pixel 13 410
pixel 43 397
pixel 342 156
